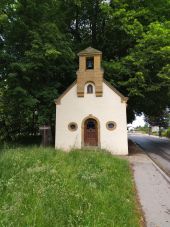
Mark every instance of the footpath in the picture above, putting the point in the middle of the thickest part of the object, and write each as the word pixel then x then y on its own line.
pixel 153 188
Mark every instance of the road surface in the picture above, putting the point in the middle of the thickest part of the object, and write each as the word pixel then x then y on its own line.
pixel 157 148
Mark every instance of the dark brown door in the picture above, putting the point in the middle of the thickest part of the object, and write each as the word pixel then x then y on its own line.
pixel 90 132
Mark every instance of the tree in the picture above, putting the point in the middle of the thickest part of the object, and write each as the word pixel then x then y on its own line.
pixel 161 120
pixel 36 56
pixel 143 75
pixel 38 42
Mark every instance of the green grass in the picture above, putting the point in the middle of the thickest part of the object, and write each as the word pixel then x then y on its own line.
pixel 43 187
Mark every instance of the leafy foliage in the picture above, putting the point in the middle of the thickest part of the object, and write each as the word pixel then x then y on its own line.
pixel 38 42
pixel 38 54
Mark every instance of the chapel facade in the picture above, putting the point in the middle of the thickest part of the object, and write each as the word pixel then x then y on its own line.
pixel 91 113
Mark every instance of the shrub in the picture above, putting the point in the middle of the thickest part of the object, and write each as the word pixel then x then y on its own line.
pixel 167 134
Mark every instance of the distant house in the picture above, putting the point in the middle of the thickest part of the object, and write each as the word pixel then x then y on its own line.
pixel 91 112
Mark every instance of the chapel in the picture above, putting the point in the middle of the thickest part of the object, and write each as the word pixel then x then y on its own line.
pixel 91 113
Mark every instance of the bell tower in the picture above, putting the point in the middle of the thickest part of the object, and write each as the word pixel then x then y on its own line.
pixel 90 71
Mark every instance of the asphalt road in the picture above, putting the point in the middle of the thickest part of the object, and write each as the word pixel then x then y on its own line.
pixel 157 148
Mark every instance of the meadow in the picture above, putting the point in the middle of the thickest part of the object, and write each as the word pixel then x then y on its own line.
pixel 44 187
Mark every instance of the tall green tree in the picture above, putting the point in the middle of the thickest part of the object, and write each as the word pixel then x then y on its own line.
pixel 39 62
pixel 38 42
pixel 146 70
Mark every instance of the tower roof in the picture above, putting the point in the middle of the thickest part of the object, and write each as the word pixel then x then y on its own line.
pixel 89 51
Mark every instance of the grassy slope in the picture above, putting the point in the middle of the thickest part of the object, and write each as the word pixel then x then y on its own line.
pixel 42 187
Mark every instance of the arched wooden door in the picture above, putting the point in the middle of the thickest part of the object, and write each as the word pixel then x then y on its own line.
pixel 90 132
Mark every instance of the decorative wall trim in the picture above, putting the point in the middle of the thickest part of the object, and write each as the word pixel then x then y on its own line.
pixel 123 98
pixel 58 101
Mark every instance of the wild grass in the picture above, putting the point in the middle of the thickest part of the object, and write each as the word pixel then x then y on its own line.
pixel 43 187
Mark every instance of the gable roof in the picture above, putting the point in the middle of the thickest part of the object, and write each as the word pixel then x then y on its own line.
pixel 89 51
pixel 123 98
pixel 58 100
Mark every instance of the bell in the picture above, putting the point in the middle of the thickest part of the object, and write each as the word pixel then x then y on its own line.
pixel 89 64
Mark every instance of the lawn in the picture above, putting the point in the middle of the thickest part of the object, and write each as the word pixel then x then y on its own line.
pixel 43 187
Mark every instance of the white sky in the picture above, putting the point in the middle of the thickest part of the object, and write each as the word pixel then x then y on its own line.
pixel 139 121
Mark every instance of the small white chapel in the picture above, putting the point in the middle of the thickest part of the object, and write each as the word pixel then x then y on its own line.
pixel 91 113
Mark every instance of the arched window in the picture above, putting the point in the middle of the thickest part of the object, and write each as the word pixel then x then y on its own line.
pixel 89 89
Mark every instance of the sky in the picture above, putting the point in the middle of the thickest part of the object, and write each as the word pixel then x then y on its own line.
pixel 139 121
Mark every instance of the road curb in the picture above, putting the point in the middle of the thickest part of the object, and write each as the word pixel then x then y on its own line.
pixel 159 137
pixel 167 178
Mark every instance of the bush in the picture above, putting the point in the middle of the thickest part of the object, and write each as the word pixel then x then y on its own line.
pixel 167 133
pixel 21 141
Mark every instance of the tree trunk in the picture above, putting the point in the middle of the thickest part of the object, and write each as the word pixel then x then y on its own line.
pixel 149 130
pixel 160 132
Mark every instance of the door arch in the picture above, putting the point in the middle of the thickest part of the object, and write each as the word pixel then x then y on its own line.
pixel 90 132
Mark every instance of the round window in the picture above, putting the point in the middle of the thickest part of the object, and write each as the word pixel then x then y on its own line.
pixel 72 126
pixel 110 125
